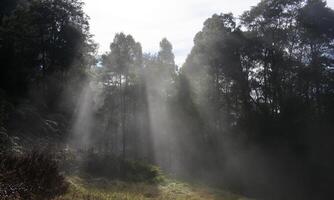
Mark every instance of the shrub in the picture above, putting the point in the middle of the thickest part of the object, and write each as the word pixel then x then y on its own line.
pixel 30 176
pixel 139 171
pixel 112 167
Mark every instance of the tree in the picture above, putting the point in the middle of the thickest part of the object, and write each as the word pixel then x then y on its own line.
pixel 44 39
pixel 165 55
pixel 122 65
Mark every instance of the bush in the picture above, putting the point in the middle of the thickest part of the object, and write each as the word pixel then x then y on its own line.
pixel 30 176
pixel 112 167
pixel 139 171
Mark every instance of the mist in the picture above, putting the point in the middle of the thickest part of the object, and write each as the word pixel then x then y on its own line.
pixel 248 115
pixel 88 103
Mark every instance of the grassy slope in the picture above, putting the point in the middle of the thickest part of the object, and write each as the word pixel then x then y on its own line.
pixel 100 189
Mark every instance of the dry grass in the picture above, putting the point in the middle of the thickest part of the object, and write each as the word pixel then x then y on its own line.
pixel 100 189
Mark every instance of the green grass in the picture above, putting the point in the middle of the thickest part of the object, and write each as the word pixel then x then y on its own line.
pixel 101 189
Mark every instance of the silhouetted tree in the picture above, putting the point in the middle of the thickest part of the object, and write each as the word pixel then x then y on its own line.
pixel 123 62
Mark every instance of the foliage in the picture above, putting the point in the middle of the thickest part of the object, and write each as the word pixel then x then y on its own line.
pixel 116 168
pixel 267 81
pixel 41 42
pixel 30 176
pixel 254 92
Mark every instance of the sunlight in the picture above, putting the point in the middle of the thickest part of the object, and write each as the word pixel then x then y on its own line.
pixel 178 99
pixel 82 134
pixel 150 20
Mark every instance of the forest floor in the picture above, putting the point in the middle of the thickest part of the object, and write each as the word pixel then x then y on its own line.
pixel 101 189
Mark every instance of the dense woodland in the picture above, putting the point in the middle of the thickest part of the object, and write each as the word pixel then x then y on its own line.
pixel 251 109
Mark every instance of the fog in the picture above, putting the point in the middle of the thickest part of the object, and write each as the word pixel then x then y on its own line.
pixel 249 113
pixel 89 101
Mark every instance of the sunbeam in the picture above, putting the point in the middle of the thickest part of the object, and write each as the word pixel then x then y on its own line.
pixel 191 99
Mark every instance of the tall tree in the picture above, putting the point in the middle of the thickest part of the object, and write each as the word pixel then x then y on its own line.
pixel 122 65
pixel 40 39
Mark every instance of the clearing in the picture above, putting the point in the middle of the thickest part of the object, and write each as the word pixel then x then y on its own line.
pixel 102 189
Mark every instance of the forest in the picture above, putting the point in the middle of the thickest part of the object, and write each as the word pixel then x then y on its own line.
pixel 249 115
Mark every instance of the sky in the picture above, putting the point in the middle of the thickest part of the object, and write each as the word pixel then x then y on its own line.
pixel 148 21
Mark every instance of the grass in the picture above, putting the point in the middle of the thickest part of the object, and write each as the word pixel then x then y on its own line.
pixel 101 189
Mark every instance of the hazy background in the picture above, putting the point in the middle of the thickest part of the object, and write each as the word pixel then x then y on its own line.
pixel 150 20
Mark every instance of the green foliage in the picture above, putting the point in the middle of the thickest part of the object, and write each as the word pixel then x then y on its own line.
pixel 138 171
pixel 265 79
pixel 116 168
pixel 39 39
pixel 124 56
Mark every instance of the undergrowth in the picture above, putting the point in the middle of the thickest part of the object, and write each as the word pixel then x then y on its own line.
pixel 102 189
pixel 30 176
pixel 116 168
